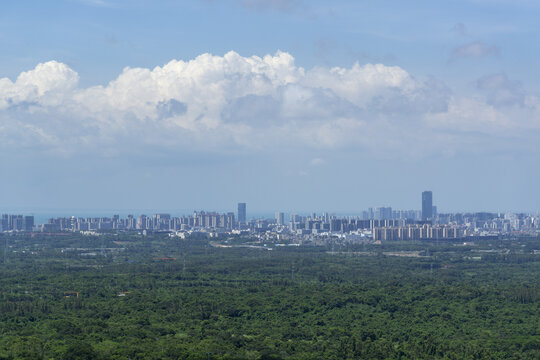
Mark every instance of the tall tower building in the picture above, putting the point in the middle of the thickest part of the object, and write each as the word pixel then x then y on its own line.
pixel 427 205
pixel 383 213
pixel 280 218
pixel 241 213
pixel 141 222
pixel 28 223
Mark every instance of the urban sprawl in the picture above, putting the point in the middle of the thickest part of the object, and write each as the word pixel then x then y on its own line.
pixel 375 224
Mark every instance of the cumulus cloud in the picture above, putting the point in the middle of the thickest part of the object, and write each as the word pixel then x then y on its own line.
pixel 470 115
pixel 234 103
pixel 47 84
pixel 474 50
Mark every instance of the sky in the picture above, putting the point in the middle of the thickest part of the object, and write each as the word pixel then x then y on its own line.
pixel 118 106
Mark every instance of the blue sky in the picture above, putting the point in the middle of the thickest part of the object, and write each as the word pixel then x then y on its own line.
pixel 289 105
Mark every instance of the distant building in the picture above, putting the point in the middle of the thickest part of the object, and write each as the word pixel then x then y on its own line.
pixel 280 218
pixel 417 232
pixel 16 222
pixel 28 223
pixel 4 223
pixel 241 213
pixel 141 222
pixel 427 205
pixel 383 213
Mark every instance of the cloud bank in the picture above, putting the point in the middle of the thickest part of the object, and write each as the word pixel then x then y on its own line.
pixel 232 103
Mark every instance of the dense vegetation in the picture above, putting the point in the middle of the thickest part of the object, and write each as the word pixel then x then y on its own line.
pixel 133 297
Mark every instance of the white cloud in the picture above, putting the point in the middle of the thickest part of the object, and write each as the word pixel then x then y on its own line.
pixel 471 115
pixel 47 84
pixel 233 103
pixel 360 84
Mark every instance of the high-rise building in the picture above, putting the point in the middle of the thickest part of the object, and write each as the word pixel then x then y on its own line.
pixel 280 218
pixel 141 222
pixel 383 213
pixel 230 220
pixel 28 223
pixel 16 222
pixel 427 205
pixel 326 217
pixel 241 213
pixel 4 224
pixel 131 223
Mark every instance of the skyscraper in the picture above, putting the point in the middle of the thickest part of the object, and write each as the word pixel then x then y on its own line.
pixel 241 213
pixel 280 218
pixel 141 222
pixel 28 223
pixel 383 213
pixel 427 205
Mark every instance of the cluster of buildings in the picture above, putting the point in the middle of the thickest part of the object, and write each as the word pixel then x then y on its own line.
pixel 16 223
pixel 156 222
pixel 381 223
pixel 420 232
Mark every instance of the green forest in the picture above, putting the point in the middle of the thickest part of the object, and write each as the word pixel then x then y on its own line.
pixel 128 296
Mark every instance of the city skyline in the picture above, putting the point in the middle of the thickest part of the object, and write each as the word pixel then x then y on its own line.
pixel 380 224
pixel 44 214
pixel 428 213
